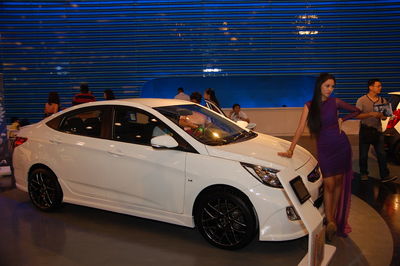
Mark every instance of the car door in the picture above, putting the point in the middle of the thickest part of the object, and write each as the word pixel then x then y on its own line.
pixel 145 176
pixel 81 153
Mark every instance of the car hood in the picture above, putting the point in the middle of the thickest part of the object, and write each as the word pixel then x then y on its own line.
pixel 262 150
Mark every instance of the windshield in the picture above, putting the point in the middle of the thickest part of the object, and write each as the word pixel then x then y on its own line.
pixel 204 125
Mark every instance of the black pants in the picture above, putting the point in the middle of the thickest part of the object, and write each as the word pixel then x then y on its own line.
pixel 379 150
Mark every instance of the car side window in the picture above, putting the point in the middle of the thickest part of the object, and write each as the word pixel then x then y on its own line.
pixel 85 123
pixel 134 126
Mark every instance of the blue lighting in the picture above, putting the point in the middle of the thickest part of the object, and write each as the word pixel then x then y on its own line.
pixel 256 53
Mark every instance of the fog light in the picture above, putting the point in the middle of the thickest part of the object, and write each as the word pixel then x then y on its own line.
pixel 292 214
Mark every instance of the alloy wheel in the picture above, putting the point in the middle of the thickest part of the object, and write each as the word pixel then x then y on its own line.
pixel 226 221
pixel 44 190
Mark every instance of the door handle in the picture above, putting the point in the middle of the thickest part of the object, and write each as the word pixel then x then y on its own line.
pixel 116 153
pixel 55 141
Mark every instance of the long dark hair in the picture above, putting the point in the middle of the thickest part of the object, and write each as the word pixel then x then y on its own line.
pixel 213 97
pixel 314 115
pixel 109 94
pixel 53 98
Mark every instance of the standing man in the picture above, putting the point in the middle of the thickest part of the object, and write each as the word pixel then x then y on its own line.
pixel 181 95
pixel 371 130
pixel 84 96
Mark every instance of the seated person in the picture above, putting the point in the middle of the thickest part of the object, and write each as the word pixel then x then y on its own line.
pixel 237 115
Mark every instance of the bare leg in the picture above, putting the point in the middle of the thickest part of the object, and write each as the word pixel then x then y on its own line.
pixel 332 191
pixel 337 193
pixel 329 188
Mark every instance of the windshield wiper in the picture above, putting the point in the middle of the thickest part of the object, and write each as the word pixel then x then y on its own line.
pixel 241 135
pixel 214 142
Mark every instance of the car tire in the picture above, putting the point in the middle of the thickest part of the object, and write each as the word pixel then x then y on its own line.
pixel 44 190
pixel 226 219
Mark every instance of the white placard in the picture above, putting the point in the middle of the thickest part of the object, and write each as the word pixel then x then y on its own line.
pixel 318 253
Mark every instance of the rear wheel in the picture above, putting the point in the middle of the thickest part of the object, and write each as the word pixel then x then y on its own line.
pixel 44 190
pixel 226 219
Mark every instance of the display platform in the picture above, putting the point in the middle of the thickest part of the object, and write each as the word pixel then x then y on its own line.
pixel 31 237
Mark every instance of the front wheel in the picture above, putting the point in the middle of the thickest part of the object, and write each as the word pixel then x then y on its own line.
pixel 44 190
pixel 225 219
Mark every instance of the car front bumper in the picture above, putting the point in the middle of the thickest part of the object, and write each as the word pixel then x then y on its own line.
pixel 271 206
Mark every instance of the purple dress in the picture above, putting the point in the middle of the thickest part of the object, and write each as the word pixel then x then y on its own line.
pixel 334 154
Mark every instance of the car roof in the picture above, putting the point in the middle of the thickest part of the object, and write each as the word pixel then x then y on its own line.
pixel 156 102
pixel 151 102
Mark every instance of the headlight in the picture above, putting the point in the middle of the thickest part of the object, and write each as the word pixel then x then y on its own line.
pixel 265 175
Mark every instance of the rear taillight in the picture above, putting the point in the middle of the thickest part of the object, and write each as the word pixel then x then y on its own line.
pixel 19 140
pixel 393 122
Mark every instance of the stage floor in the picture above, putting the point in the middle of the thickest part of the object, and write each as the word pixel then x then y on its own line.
pixel 77 235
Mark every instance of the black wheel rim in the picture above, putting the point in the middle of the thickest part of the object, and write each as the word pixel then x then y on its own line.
pixel 42 190
pixel 224 222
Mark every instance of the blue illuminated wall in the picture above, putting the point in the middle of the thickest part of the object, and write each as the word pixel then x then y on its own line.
pixel 55 45
pixel 248 91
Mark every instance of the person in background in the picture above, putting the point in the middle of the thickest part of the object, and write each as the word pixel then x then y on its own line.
pixel 182 95
pixel 209 95
pixel 53 104
pixel 109 94
pixel 15 123
pixel 84 96
pixel 237 115
pixel 371 131
pixel 333 151
pixel 195 97
pixel 12 130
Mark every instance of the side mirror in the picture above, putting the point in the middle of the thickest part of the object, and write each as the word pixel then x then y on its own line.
pixel 164 141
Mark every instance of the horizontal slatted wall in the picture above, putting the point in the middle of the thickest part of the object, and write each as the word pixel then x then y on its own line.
pixel 56 45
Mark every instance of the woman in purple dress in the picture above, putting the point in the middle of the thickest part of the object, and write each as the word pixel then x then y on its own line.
pixel 333 151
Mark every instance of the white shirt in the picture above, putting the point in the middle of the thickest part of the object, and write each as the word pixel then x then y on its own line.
pixel 182 96
pixel 241 116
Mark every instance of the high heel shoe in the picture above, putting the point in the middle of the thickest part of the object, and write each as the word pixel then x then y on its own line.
pixel 330 231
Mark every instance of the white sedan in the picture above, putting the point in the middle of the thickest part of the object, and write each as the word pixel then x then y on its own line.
pixel 167 160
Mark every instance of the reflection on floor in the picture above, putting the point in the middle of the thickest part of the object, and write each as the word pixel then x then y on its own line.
pixel 385 199
pixel 83 236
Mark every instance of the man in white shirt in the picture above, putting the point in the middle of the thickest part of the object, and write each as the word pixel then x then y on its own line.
pixel 181 95
pixel 237 115
pixel 371 131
